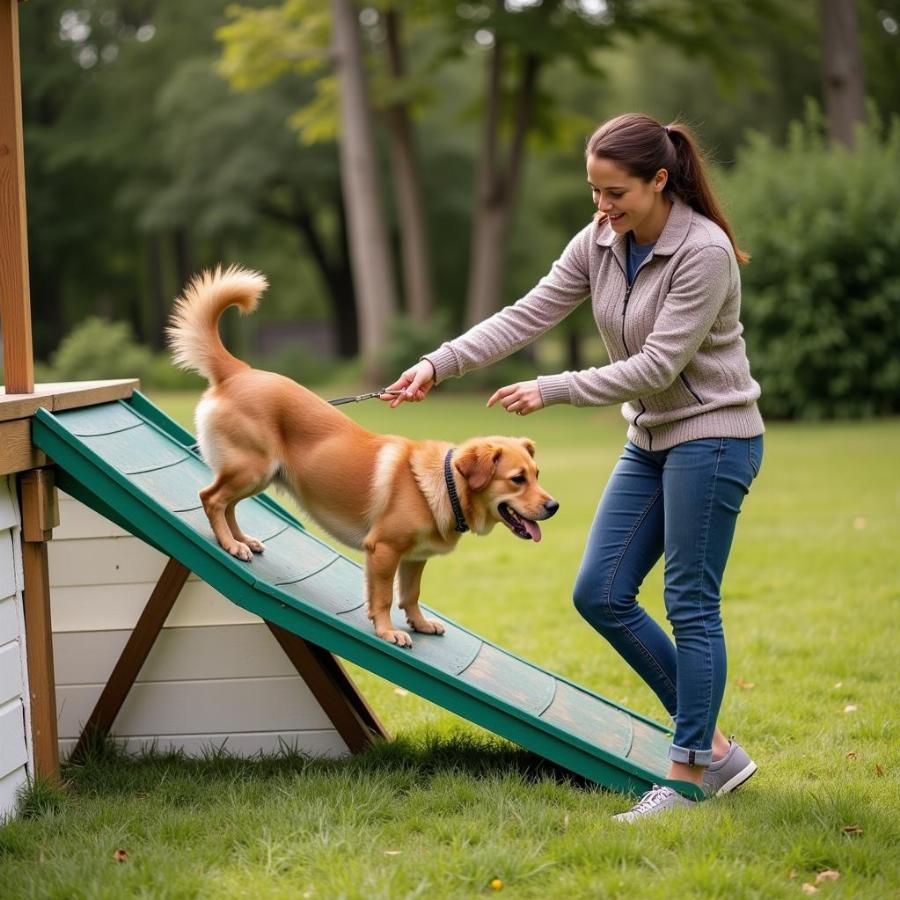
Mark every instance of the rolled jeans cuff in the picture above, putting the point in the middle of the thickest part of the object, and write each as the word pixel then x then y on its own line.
pixel 690 757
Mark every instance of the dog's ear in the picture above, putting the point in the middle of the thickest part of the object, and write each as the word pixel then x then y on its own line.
pixel 477 465
pixel 528 444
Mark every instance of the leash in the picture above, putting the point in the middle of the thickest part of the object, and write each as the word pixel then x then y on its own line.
pixel 340 401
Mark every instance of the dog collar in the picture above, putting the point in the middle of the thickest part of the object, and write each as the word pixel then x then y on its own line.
pixel 454 497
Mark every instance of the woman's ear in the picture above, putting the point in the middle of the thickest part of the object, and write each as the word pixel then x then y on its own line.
pixel 660 180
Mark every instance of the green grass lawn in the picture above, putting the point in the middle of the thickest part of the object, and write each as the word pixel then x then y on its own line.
pixel 812 616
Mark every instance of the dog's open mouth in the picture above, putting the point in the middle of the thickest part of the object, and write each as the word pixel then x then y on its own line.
pixel 519 525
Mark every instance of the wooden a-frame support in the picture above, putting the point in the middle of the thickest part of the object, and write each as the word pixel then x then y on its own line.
pixel 323 673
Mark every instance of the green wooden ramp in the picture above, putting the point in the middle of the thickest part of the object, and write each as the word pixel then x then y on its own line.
pixel 134 465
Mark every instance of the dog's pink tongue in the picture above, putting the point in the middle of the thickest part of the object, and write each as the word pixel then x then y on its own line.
pixel 533 529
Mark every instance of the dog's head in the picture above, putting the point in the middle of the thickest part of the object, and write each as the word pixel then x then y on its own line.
pixel 501 478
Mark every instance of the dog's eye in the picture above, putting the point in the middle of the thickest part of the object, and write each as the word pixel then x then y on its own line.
pixel 518 479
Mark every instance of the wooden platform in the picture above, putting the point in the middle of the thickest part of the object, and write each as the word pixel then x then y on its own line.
pixel 17 453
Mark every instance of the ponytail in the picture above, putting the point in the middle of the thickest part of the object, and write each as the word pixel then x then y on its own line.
pixel 643 146
pixel 692 184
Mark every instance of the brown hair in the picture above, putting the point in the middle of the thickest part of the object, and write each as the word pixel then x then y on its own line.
pixel 643 146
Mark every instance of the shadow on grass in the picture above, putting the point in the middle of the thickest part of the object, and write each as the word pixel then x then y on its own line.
pixel 106 769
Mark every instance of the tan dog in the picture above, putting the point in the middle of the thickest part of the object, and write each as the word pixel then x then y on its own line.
pixel 385 494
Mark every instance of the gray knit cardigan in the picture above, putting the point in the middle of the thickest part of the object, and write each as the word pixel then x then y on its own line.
pixel 677 358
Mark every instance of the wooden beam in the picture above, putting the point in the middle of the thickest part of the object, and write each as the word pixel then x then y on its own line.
pixel 338 696
pixel 134 655
pixel 15 295
pixel 17 453
pixel 35 507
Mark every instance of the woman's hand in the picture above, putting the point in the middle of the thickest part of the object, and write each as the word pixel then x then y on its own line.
pixel 413 385
pixel 521 398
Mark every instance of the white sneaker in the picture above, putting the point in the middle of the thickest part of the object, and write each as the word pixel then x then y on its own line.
pixel 660 799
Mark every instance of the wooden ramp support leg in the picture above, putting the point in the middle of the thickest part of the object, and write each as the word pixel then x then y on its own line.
pixel 323 673
pixel 356 723
pixel 134 655
pixel 40 514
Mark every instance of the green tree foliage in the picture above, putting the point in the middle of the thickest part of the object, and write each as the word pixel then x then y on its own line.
pixel 822 290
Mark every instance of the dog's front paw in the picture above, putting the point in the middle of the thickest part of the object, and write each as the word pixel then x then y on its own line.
pixel 241 551
pixel 400 638
pixel 255 545
pixel 427 626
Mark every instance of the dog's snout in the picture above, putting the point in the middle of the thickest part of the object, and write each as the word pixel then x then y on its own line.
pixel 550 507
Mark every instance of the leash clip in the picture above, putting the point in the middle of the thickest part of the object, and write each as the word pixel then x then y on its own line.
pixel 360 397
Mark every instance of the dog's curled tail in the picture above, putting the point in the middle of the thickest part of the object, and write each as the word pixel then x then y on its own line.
pixel 193 331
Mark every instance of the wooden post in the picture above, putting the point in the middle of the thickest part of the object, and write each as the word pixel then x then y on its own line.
pixel 15 299
pixel 352 717
pixel 39 515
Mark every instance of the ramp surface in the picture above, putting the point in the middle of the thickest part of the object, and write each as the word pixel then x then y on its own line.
pixel 134 465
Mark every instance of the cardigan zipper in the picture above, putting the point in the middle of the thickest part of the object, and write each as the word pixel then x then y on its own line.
pixel 628 290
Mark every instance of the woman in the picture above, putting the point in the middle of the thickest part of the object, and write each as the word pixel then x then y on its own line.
pixel 660 264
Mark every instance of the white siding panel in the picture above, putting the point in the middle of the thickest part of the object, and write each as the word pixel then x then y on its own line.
pixel 9 787
pixel 325 742
pixel 179 654
pixel 8 504
pixel 79 521
pixel 12 737
pixel 114 606
pixel 9 620
pixel 103 561
pixel 10 671
pixel 7 565
pixel 215 673
pixel 199 707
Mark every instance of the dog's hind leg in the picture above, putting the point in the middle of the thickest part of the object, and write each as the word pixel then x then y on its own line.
pixel 381 566
pixel 409 583
pixel 228 487
pixel 255 545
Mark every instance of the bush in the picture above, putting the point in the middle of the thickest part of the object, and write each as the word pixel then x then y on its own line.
pixel 821 302
pixel 98 349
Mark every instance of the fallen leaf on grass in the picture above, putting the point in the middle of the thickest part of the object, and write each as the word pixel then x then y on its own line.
pixel 839 684
pixel 851 754
pixel 850 707
pixel 828 875
pixel 792 874
pixel 860 523
pixel 392 852
pixel 808 888
pixel 852 829
pixel 120 856
pixel 878 770
pixel 745 685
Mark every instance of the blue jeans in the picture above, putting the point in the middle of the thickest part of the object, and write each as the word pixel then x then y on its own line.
pixel 683 502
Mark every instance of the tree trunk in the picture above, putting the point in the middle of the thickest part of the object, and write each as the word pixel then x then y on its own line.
pixel 149 323
pixel 334 268
pixel 842 69
pixel 369 247
pixel 184 259
pixel 496 189
pixel 415 252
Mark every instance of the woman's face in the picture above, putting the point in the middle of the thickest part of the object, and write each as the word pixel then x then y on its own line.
pixel 630 204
